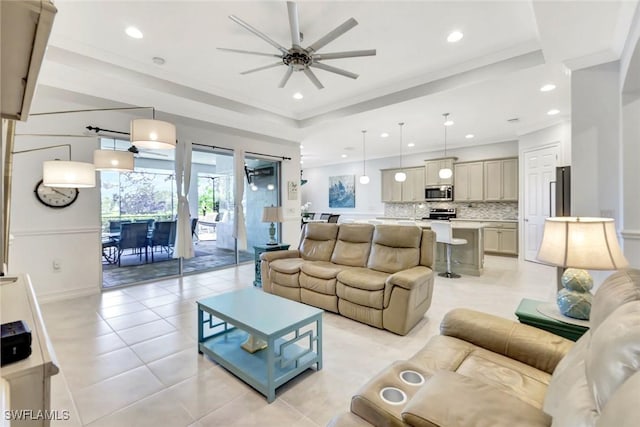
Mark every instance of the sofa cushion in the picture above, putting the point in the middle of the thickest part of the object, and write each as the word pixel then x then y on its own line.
pixel 394 248
pixel 318 241
pixel 619 288
pixel 566 375
pixel 614 354
pixel 516 378
pixel 353 245
pixel 453 400
pixel 286 265
pixel 363 278
pixel 322 269
pixel 362 297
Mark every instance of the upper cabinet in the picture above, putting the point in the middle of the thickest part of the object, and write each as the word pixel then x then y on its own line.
pixel 411 190
pixel 501 180
pixel 432 169
pixel 469 181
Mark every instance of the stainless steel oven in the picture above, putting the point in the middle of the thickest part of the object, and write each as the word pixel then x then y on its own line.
pixel 438 193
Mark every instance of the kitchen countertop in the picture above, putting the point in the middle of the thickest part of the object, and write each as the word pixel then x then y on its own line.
pixel 486 220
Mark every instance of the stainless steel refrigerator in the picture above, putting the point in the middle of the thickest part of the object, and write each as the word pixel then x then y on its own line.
pixel 563 191
pixel 562 202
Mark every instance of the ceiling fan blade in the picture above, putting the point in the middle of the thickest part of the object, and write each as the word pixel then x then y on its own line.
pixel 258 33
pixel 334 70
pixel 313 78
pixel 349 54
pixel 294 24
pixel 249 52
pixel 262 68
pixel 333 34
pixel 286 76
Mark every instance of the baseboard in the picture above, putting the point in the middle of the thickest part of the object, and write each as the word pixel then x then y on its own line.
pixel 67 294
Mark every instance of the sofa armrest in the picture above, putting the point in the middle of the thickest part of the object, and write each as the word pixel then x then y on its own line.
pixel 535 347
pixel 274 255
pixel 411 277
pixel 453 400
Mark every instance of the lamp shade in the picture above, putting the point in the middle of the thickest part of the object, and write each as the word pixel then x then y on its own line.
pixel 272 214
pixel 113 160
pixel 154 134
pixel 61 173
pixel 589 243
pixel 364 179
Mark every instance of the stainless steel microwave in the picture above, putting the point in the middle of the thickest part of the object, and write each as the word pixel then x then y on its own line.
pixel 438 193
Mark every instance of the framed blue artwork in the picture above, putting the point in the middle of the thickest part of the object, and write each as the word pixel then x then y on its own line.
pixel 342 191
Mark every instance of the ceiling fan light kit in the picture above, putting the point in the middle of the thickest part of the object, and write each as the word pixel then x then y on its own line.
pixel 298 58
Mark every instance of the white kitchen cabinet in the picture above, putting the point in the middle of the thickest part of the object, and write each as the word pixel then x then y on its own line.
pixel 411 190
pixel 432 169
pixel 501 238
pixel 501 180
pixel 469 182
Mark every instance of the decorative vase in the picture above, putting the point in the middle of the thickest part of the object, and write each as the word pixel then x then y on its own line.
pixel 575 299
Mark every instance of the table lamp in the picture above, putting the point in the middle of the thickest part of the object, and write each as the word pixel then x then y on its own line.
pixel 272 214
pixel 580 243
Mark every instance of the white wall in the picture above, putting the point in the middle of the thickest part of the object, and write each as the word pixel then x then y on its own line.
pixel 596 145
pixel 368 203
pixel 71 236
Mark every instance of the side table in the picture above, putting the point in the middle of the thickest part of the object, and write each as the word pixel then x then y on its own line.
pixel 528 314
pixel 257 250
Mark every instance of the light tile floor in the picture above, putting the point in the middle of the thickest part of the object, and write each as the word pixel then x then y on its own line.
pixel 128 357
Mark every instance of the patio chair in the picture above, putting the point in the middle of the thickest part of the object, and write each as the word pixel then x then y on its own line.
pixel 194 228
pixel 333 218
pixel 133 235
pixel 164 236
pixel 325 215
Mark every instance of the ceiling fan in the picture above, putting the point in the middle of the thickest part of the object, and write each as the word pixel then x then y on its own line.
pixel 298 58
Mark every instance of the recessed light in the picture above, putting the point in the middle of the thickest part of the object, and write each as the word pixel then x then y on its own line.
pixel 455 36
pixel 411 144
pixel 158 60
pixel 448 122
pixel 254 187
pixel 298 95
pixel 553 112
pixel 469 135
pixel 301 161
pixel 344 156
pixel 384 135
pixel 301 146
pixel 133 32
pixel 270 187
pixel 548 87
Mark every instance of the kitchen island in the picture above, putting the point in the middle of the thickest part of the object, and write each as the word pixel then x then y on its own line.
pixel 465 259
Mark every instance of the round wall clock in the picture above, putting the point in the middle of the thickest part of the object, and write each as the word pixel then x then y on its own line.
pixel 55 197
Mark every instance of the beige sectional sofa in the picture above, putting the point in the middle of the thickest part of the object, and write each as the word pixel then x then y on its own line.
pixel 381 275
pixel 489 371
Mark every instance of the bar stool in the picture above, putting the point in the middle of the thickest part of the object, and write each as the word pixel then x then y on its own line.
pixel 445 235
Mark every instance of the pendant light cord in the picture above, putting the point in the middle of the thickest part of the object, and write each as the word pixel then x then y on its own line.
pixel 364 154
pixel 401 124
pixel 446 116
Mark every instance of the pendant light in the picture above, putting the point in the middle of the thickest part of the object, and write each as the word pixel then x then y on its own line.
pixel 153 134
pixel 113 160
pixel 400 176
pixel 364 179
pixel 68 174
pixel 445 173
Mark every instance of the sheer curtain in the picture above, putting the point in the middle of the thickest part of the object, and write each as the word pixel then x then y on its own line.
pixel 239 227
pixel 184 243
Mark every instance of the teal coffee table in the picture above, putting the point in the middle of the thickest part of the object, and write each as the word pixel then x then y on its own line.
pixel 225 321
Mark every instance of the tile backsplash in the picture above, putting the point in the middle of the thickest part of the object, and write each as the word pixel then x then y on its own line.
pixel 468 210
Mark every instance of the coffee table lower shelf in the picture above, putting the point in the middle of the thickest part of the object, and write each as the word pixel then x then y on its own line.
pixel 289 360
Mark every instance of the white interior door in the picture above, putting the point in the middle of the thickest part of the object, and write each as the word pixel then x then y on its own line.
pixel 539 172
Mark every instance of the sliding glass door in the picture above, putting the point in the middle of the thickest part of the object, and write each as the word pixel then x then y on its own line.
pixel 148 195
